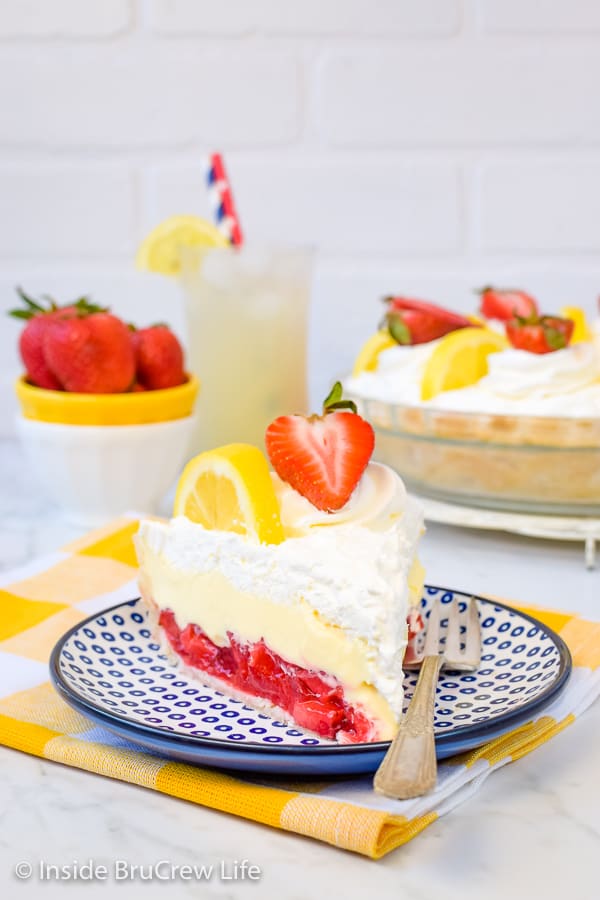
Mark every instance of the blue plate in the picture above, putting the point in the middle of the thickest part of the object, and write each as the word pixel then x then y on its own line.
pixel 110 669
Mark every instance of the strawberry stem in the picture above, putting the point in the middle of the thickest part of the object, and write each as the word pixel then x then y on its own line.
pixel 85 307
pixel 32 307
pixel 47 304
pixel 398 328
pixel 334 400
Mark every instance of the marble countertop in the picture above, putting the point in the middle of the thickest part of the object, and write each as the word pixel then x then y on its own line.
pixel 532 830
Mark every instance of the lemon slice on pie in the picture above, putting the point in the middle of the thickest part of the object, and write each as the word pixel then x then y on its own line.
pixel 459 360
pixel 368 356
pixel 161 250
pixel 230 489
pixel 582 331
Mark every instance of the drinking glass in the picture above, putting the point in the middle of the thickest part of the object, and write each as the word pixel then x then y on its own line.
pixel 246 312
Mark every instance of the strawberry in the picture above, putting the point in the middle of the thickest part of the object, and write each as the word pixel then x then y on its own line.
pixel 322 457
pixel 540 334
pixel 30 348
pixel 418 322
pixel 90 354
pixel 506 304
pixel 39 314
pixel 158 357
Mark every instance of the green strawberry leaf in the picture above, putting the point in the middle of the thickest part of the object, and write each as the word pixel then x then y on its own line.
pixel 85 307
pixel 334 395
pixel 398 329
pixel 555 338
pixel 342 404
pixel 334 400
pixel 29 301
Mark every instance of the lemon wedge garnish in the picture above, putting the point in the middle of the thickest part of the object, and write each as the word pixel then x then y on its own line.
pixel 459 360
pixel 230 489
pixel 368 356
pixel 582 331
pixel 161 250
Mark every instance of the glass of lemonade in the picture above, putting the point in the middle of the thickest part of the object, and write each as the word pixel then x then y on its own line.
pixel 247 312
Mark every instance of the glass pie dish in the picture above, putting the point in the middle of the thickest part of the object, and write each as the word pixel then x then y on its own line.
pixel 546 465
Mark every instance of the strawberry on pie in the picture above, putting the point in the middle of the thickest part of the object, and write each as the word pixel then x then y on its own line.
pixel 540 334
pixel 411 322
pixel 504 305
pixel 291 588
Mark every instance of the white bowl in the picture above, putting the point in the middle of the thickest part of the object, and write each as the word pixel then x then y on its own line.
pixel 95 473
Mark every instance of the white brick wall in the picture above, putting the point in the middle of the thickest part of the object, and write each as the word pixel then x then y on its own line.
pixel 474 94
pixel 316 18
pixel 546 204
pixel 540 16
pixel 64 18
pixel 426 146
pixel 112 97
pixel 341 205
pixel 53 211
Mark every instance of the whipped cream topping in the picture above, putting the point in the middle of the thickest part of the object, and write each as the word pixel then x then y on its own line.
pixel 377 502
pixel 565 382
pixel 353 576
pixel 398 377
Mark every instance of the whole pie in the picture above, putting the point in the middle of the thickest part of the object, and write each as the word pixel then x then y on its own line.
pixel 502 412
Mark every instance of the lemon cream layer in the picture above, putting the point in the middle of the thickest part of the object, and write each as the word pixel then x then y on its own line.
pixel 332 600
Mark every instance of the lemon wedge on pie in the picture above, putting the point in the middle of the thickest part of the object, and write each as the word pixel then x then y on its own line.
pixel 582 331
pixel 230 489
pixel 459 360
pixel 368 356
pixel 161 251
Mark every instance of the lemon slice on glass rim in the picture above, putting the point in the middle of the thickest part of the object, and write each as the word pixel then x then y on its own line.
pixel 230 489
pixel 459 360
pixel 161 250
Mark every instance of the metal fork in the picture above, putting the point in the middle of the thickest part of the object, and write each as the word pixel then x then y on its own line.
pixel 409 768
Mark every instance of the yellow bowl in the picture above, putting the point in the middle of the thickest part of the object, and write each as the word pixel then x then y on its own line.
pixel 139 408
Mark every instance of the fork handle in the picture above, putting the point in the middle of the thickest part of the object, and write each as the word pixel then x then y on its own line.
pixel 409 768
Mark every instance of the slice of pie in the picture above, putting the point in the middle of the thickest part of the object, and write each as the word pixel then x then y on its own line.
pixel 291 589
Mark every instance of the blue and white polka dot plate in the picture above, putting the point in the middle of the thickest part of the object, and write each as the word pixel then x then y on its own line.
pixel 109 668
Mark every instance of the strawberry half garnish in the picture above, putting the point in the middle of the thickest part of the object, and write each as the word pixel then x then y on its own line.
pixel 540 334
pixel 322 457
pixel 418 322
pixel 506 304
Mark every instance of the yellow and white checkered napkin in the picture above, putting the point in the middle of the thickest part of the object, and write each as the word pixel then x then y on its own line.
pixel 40 601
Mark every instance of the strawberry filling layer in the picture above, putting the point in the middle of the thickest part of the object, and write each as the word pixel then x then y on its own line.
pixel 415 623
pixel 313 702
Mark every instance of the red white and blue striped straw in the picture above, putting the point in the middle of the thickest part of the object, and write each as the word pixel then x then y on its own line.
pixel 221 198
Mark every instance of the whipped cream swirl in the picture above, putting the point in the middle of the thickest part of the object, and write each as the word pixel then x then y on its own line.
pixel 378 500
pixel 565 382
pixel 516 373
pixel 398 377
